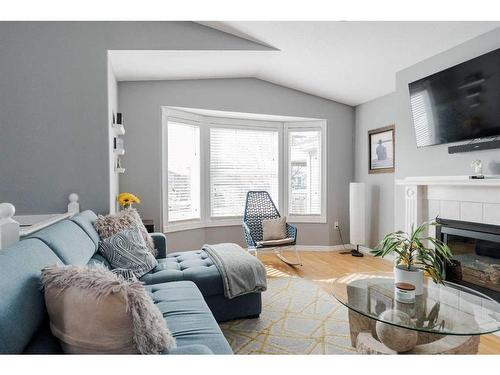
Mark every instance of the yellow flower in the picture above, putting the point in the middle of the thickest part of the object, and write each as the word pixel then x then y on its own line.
pixel 126 199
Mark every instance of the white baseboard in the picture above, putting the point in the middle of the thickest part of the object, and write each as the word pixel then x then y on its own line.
pixel 363 249
pixel 323 247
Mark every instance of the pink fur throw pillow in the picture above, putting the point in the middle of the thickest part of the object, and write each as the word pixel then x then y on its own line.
pixel 94 311
pixel 109 225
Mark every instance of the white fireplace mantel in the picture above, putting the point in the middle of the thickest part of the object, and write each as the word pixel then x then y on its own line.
pixel 490 180
pixel 451 197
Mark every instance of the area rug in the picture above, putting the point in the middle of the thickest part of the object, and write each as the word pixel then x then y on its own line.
pixel 298 317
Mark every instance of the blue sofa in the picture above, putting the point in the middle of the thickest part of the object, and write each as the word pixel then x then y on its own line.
pixel 184 286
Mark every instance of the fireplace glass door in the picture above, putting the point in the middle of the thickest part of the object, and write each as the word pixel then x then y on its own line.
pixel 476 255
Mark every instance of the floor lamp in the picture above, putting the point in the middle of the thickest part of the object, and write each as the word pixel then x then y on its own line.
pixel 357 219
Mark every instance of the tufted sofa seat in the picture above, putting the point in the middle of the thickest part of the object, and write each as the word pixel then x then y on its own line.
pixel 195 266
pixel 188 318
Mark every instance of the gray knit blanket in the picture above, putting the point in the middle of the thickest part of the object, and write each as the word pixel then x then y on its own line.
pixel 241 272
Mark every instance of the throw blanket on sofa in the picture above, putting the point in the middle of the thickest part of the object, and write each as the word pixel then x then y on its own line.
pixel 241 272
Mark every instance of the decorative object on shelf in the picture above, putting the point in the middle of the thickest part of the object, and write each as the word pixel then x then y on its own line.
pixel 118 145
pixel 119 118
pixel 357 216
pixel 413 257
pixel 477 167
pixel 118 129
pixel 381 150
pixel 113 118
pixel 118 167
pixel 127 199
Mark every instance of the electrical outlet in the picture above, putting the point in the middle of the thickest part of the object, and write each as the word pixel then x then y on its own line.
pixel 336 224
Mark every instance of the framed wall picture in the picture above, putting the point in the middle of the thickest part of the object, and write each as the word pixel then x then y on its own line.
pixel 381 150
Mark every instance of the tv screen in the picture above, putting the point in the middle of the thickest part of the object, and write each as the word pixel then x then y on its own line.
pixel 459 103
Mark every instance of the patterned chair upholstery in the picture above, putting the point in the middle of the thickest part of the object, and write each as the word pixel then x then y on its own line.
pixel 259 206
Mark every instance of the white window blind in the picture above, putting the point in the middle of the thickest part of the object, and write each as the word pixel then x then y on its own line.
pixel 241 160
pixel 304 170
pixel 183 171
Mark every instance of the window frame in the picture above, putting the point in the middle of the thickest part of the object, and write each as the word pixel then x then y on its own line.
pixel 205 124
pixel 306 126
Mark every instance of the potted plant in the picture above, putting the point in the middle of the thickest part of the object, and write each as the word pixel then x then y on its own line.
pixel 414 256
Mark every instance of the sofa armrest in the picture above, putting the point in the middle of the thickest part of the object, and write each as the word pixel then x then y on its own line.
pixel 160 241
pixel 190 349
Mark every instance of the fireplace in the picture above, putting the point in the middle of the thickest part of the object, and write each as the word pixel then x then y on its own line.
pixel 476 254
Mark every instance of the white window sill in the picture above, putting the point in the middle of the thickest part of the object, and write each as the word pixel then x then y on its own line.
pixel 198 225
pixel 171 228
pixel 306 219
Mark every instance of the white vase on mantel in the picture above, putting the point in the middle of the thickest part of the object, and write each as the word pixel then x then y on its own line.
pixel 413 276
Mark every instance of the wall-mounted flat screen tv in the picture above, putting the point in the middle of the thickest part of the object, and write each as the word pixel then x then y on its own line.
pixel 459 103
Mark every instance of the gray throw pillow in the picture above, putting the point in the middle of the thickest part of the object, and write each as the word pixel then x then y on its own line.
pixel 127 250
pixel 109 225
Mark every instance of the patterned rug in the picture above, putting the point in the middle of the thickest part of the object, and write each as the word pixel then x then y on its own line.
pixel 298 317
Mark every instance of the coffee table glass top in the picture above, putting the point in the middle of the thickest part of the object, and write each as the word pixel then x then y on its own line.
pixel 447 309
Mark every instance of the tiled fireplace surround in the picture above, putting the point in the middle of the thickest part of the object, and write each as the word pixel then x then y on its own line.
pixel 454 198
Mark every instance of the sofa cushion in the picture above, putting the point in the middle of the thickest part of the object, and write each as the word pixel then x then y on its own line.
pixel 281 242
pixel 22 307
pixel 195 266
pixel 69 241
pixel 86 220
pixel 188 316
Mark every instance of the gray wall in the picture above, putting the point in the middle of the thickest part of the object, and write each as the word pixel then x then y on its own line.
pixel 411 161
pixel 380 186
pixel 141 102
pixel 53 103
pixel 435 160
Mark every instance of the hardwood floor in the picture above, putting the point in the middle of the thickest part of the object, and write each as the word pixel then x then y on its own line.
pixel 322 267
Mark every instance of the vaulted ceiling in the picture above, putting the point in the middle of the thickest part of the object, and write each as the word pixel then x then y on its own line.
pixel 349 62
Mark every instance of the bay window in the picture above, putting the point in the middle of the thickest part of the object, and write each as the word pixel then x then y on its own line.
pixel 304 164
pixel 210 163
pixel 241 160
pixel 183 172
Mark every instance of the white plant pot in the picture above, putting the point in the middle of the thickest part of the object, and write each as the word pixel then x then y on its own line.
pixel 414 277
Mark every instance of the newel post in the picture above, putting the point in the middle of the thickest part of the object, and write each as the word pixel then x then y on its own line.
pixel 73 206
pixel 9 228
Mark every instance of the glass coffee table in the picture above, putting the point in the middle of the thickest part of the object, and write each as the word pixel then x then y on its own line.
pixel 447 318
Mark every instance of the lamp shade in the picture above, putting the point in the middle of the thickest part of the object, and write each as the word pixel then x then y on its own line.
pixel 357 219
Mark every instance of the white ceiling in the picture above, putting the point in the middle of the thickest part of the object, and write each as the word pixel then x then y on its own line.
pixel 350 62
